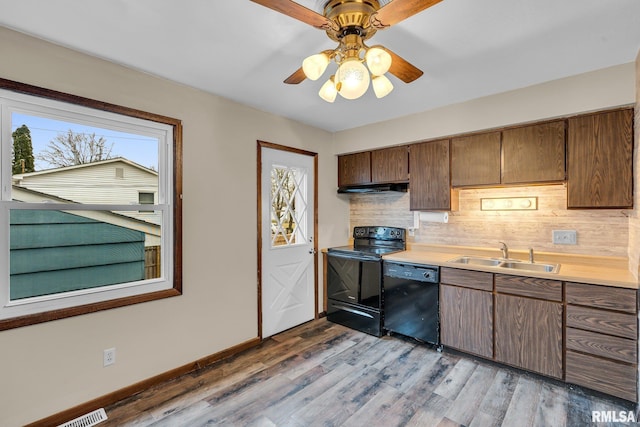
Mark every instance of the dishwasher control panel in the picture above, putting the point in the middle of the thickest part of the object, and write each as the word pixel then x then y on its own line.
pixel 419 273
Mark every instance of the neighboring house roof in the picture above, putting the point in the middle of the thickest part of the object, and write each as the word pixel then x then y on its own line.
pixel 22 194
pixel 117 181
pixel 21 176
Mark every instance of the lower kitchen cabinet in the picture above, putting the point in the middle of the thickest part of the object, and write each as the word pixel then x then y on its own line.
pixel 528 334
pixel 466 311
pixel 602 339
pixel 528 328
pixel 581 333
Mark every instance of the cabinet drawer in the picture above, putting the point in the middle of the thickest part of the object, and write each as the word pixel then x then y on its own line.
pixel 606 322
pixel 529 287
pixel 617 379
pixel 606 297
pixel 467 278
pixel 621 349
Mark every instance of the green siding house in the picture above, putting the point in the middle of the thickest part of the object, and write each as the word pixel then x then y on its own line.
pixel 55 251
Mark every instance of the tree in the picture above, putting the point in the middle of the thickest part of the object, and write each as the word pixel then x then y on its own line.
pixel 68 149
pixel 283 187
pixel 23 160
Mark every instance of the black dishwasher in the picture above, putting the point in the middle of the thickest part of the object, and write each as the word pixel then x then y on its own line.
pixel 411 300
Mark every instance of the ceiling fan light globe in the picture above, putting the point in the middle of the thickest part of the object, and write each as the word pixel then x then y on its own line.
pixel 315 65
pixel 382 86
pixel 328 90
pixel 352 78
pixel 378 61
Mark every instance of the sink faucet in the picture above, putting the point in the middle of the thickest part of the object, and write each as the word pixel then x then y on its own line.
pixel 505 250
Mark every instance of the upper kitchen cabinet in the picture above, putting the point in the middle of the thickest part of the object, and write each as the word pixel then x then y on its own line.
pixel 534 154
pixel 390 165
pixel 430 176
pixel 354 169
pixel 599 160
pixel 384 166
pixel 475 160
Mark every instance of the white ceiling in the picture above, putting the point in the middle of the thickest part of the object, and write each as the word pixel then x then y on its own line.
pixel 243 51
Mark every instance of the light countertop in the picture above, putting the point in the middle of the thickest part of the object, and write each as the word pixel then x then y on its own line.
pixel 609 271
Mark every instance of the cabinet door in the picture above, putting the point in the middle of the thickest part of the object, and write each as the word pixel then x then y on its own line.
pixel 475 160
pixel 430 181
pixel 354 169
pixel 528 334
pixel 466 320
pixel 534 153
pixel 599 160
pixel 390 165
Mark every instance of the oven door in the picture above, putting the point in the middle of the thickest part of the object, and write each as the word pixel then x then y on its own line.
pixel 355 279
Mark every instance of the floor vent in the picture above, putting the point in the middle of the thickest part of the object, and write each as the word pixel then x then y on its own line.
pixel 87 420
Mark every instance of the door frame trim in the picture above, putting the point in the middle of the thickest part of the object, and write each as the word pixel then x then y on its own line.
pixel 259 146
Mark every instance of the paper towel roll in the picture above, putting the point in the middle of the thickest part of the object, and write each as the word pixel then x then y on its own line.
pixel 434 216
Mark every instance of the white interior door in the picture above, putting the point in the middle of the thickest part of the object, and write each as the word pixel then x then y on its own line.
pixel 288 255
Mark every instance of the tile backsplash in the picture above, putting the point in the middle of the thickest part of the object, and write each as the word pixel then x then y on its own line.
pixel 603 232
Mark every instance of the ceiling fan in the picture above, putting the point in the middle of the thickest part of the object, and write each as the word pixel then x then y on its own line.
pixel 350 23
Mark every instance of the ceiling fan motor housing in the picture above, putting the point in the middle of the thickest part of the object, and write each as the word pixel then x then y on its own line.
pixel 351 17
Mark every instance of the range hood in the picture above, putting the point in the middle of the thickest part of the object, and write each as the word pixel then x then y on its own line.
pixel 374 188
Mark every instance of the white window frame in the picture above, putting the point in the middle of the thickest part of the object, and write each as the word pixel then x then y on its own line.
pixel 45 103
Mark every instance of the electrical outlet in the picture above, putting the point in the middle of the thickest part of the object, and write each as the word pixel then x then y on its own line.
pixel 565 237
pixel 109 357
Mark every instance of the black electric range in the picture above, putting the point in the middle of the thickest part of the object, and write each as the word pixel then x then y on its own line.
pixel 354 277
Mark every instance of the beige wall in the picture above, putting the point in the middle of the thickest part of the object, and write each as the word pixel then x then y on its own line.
pixel 50 367
pixel 596 90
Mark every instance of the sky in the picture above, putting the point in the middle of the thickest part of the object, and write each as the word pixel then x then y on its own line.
pixel 137 148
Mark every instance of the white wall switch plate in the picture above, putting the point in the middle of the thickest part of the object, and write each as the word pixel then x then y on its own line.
pixel 565 237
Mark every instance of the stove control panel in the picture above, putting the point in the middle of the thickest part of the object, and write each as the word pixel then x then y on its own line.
pixel 379 233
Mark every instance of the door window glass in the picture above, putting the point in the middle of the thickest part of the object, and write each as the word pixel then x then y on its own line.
pixel 288 206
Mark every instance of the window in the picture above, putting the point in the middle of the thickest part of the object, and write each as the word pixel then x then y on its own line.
pixel 75 237
pixel 145 198
pixel 288 205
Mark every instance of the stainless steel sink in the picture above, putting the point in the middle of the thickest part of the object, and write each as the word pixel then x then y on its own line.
pixel 521 265
pixel 474 260
pixel 507 264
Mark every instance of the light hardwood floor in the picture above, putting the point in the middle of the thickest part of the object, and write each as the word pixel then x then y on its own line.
pixel 323 374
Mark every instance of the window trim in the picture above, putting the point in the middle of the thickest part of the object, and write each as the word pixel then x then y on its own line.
pixel 176 289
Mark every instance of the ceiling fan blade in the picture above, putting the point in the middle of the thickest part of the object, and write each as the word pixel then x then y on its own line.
pixel 403 69
pixel 295 78
pixel 399 10
pixel 297 11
